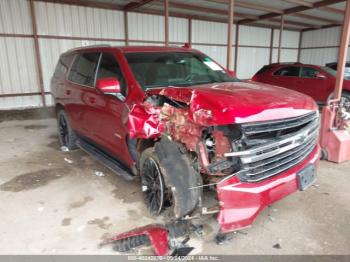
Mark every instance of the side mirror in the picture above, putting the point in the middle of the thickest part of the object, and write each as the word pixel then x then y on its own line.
pixel 108 85
pixel 231 73
pixel 321 76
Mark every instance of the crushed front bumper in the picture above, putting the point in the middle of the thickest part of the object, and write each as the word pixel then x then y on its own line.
pixel 241 202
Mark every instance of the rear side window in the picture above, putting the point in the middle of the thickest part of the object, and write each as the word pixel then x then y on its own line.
pixel 288 71
pixel 84 68
pixel 334 66
pixel 109 67
pixel 62 66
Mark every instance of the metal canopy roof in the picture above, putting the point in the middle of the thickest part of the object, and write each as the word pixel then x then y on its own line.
pixel 298 14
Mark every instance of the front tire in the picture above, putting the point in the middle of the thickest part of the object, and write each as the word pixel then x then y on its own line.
pixel 153 186
pixel 66 135
pixel 344 98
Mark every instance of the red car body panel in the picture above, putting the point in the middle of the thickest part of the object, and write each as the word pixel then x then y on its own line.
pixel 319 89
pixel 232 102
pixel 109 121
pixel 228 103
pixel 157 234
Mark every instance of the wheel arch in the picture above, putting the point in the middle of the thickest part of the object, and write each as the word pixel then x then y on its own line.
pixel 58 107
pixel 183 180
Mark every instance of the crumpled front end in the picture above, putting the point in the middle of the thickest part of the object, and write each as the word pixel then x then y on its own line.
pixel 241 202
pixel 250 160
pixel 144 121
pixel 275 153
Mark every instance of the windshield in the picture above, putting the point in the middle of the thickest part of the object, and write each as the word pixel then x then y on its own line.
pixel 330 71
pixel 175 69
pixel 334 72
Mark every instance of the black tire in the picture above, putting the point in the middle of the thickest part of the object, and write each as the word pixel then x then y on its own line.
pixel 152 182
pixel 324 154
pixel 66 135
pixel 345 98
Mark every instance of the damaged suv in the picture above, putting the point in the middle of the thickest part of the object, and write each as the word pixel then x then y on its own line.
pixel 183 124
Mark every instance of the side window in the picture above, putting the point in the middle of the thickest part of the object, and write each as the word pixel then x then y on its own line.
pixel 263 69
pixel 309 72
pixel 288 71
pixel 62 66
pixel 84 68
pixel 109 67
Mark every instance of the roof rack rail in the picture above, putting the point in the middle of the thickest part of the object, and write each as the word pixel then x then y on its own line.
pixel 286 63
pixel 88 46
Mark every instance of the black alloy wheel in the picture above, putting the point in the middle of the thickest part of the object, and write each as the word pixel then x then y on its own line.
pixel 153 186
pixel 63 130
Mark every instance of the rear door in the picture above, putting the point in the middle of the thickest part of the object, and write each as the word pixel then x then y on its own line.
pixel 80 91
pixel 58 80
pixel 310 84
pixel 286 76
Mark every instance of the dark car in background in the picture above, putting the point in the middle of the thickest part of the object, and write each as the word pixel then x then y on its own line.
pixel 334 66
pixel 315 81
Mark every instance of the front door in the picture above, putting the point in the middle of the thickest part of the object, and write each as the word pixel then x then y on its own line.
pixel 311 84
pixel 286 76
pixel 108 115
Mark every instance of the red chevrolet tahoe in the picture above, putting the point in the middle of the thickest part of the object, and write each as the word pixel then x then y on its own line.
pixel 178 120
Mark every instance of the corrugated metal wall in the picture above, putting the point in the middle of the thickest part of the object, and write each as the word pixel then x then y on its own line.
pixel 178 30
pixel 320 46
pixel 77 21
pixel 146 27
pixel 61 27
pixel 211 39
pixel 15 17
pixel 254 50
pixel 18 71
pixel 73 21
pixel 289 46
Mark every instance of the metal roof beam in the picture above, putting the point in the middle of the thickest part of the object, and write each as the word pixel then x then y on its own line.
pixel 250 6
pixel 224 12
pixel 294 23
pixel 292 10
pixel 208 10
pixel 299 2
pixel 206 18
pixel 84 3
pixel 332 10
pixel 312 17
pixel 134 5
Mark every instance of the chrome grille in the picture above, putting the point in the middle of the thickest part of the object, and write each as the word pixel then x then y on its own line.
pixel 273 147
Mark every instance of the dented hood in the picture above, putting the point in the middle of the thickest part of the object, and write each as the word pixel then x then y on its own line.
pixel 239 102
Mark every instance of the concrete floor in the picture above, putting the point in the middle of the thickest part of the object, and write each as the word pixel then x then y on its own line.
pixel 53 203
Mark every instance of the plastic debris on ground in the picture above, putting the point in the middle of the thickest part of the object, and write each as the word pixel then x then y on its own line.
pixel 99 173
pixel 271 218
pixel 277 246
pixel 68 160
pixel 221 239
pixel 64 149
pixel 165 239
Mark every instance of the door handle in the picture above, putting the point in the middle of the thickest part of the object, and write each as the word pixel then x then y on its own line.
pixel 68 92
